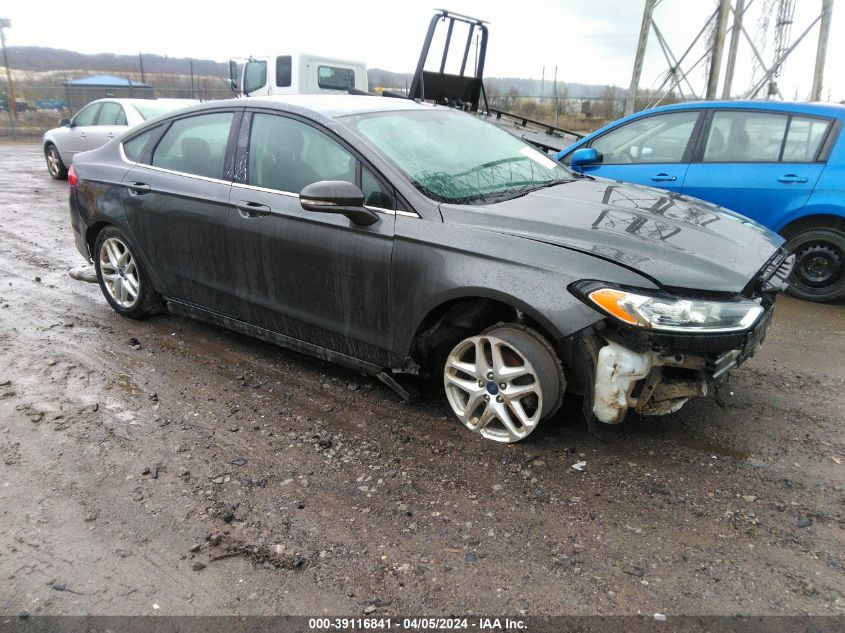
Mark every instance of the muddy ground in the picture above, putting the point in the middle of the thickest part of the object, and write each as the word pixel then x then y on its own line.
pixel 208 473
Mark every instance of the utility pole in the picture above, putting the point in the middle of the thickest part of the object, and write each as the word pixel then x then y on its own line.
pixel 192 79
pixel 542 84
pixel 631 101
pixel 718 48
pixel 736 33
pixel 557 103
pixel 821 51
pixel 68 104
pixel 141 63
pixel 10 92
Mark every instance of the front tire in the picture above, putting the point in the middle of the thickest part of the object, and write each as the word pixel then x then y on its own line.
pixel 124 282
pixel 819 271
pixel 503 382
pixel 55 166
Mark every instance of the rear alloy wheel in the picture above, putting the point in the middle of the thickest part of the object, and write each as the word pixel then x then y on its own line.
pixel 502 382
pixel 122 279
pixel 55 165
pixel 819 271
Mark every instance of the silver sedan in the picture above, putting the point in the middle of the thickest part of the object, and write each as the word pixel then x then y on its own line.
pixel 96 124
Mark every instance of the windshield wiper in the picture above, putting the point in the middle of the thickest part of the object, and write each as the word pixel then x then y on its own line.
pixel 551 183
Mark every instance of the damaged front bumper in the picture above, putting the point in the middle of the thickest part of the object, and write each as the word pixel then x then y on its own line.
pixel 656 374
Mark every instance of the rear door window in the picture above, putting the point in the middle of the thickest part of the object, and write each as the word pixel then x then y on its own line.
pixel 745 137
pixel 195 145
pixel 138 149
pixel 111 114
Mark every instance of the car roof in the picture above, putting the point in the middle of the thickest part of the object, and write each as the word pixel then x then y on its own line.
pixel 328 105
pixel 799 107
pixel 141 102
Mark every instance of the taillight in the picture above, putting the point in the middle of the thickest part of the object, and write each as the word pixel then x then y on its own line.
pixel 72 178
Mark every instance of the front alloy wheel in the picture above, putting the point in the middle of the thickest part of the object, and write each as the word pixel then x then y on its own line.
pixel 501 383
pixel 55 166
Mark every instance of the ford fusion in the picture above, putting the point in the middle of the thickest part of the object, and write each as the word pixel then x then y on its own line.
pixel 399 238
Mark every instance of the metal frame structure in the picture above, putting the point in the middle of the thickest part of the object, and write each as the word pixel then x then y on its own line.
pixel 677 76
pixel 442 86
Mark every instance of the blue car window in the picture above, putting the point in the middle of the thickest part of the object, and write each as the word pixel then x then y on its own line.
pixel 803 140
pixel 661 138
pixel 745 137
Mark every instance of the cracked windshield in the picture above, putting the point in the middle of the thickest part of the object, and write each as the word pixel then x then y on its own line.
pixel 453 157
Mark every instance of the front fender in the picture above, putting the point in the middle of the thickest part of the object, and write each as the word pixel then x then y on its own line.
pixel 435 262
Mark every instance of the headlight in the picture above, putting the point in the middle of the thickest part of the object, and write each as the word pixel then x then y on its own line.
pixel 661 312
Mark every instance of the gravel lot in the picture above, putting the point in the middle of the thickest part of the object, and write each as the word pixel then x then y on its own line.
pixel 203 472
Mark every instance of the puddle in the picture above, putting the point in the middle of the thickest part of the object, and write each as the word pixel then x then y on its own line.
pixel 124 381
pixel 713 449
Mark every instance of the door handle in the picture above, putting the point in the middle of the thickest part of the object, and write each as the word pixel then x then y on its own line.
pixel 792 178
pixel 110 135
pixel 83 135
pixel 138 188
pixel 249 209
pixel 664 178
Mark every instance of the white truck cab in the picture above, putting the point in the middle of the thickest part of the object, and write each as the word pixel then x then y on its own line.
pixel 296 74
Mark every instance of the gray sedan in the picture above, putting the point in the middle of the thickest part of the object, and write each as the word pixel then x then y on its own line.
pixel 400 238
pixel 96 124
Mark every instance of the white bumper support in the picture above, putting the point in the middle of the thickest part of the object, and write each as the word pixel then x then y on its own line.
pixel 618 369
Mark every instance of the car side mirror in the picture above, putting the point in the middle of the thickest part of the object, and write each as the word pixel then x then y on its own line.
pixel 585 156
pixel 233 75
pixel 64 122
pixel 337 196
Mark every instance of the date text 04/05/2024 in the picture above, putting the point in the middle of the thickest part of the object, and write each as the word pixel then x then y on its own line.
pixel 415 624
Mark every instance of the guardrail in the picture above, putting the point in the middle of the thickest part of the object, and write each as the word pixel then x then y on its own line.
pixel 523 121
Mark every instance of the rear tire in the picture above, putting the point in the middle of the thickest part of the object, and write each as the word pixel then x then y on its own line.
pixel 819 272
pixel 55 166
pixel 503 382
pixel 123 281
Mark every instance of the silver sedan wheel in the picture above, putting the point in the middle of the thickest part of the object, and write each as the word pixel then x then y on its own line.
pixel 120 275
pixel 53 161
pixel 494 389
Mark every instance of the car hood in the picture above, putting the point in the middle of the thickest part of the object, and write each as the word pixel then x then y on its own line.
pixel 676 241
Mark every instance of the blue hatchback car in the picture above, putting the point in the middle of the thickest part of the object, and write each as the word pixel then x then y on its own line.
pixel 781 164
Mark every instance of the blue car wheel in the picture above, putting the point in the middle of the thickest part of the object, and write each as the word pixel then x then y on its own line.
pixel 819 272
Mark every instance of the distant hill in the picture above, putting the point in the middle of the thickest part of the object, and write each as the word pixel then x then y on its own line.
pixel 525 87
pixel 42 59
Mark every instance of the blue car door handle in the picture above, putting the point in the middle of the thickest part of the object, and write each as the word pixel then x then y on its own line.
pixel 661 177
pixel 792 178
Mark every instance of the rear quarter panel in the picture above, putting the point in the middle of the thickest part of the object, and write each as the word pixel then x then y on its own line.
pixel 828 197
pixel 98 200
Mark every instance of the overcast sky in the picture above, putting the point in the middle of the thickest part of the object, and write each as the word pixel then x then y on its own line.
pixel 590 41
